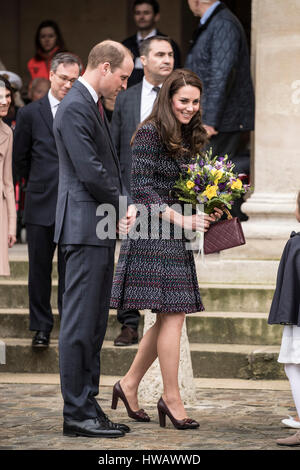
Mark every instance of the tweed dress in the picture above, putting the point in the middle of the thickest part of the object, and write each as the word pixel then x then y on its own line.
pixel 155 274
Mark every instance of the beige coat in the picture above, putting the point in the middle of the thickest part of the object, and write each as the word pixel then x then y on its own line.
pixel 8 216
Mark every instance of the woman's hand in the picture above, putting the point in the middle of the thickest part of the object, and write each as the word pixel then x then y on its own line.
pixel 198 222
pixel 11 240
pixel 217 214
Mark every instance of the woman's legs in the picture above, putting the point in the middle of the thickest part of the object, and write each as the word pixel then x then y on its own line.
pixel 162 340
pixel 168 349
pixel 293 373
pixel 146 355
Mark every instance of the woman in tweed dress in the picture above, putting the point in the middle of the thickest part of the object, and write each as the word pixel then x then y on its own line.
pixel 157 272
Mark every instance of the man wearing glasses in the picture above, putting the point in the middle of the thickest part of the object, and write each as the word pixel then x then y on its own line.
pixel 35 158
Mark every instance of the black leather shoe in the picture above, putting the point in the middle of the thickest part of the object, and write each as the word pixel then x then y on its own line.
pixel 103 418
pixel 41 340
pixel 127 337
pixel 89 428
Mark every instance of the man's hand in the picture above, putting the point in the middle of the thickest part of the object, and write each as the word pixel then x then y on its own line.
pixel 210 130
pixel 125 224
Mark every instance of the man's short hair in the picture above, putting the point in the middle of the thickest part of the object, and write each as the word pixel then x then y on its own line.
pixel 108 51
pixel 153 3
pixel 65 58
pixel 146 44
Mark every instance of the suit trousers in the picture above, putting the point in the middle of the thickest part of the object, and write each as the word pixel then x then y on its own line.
pixel 88 282
pixel 233 144
pixel 129 318
pixel 225 143
pixel 41 248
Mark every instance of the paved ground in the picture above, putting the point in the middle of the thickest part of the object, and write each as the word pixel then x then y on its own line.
pixel 230 419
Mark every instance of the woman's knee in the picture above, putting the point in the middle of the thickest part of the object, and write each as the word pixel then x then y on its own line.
pixel 172 319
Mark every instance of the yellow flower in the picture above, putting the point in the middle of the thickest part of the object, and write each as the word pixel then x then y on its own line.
pixel 190 184
pixel 217 174
pixel 210 192
pixel 237 184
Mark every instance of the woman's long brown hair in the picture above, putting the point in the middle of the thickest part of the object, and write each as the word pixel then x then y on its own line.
pixel 170 130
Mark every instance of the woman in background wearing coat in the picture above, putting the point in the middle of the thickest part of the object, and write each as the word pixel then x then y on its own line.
pixel 48 42
pixel 8 216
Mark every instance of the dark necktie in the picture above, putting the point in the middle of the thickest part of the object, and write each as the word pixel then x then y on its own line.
pixel 101 110
pixel 156 89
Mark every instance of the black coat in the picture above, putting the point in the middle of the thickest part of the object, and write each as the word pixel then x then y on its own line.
pixel 285 308
pixel 219 56
pixel 125 120
pixel 132 45
pixel 35 158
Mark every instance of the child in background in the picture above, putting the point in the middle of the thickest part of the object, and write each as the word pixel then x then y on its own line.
pixel 285 310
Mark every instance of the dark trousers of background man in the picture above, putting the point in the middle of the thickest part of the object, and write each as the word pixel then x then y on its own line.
pixel 41 248
pixel 129 318
pixel 235 145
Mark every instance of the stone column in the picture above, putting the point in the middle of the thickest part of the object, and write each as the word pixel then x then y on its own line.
pixel 276 152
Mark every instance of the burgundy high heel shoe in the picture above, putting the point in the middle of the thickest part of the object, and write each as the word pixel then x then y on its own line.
pixel 139 415
pixel 163 410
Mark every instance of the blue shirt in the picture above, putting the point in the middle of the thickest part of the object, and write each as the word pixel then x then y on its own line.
pixel 209 12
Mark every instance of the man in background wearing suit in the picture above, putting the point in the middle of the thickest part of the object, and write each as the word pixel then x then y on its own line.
pixel 146 15
pixel 131 108
pixel 35 157
pixel 89 179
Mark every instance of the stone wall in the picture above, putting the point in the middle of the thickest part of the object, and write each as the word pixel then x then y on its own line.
pixel 83 24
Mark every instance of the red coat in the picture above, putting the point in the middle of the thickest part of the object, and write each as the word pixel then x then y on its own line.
pixel 41 68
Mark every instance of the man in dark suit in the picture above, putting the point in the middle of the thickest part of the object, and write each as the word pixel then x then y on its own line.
pixel 219 56
pixel 89 184
pixel 35 158
pixel 132 107
pixel 146 15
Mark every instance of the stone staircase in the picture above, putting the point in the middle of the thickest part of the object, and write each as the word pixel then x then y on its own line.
pixel 230 340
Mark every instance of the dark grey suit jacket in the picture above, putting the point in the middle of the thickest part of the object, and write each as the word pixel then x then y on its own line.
pixel 126 117
pixel 89 171
pixel 35 158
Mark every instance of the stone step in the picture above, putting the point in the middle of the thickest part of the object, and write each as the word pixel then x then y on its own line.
pixel 204 327
pixel 209 360
pixel 216 297
pixel 215 270
pixel 110 380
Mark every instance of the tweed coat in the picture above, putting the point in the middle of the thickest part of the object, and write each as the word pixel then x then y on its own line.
pixel 8 215
pixel 156 270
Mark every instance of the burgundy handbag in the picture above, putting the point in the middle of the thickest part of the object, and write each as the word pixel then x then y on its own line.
pixel 223 235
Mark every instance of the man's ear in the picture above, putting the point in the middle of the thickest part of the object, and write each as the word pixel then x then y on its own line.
pixel 143 60
pixel 105 68
pixel 157 18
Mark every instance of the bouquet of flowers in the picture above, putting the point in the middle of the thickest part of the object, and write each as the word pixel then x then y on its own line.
pixel 210 181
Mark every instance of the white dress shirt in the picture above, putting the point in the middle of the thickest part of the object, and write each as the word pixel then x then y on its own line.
pixel 90 89
pixel 147 99
pixel 54 103
pixel 139 38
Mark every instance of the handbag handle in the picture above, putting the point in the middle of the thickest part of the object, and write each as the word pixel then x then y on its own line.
pixel 229 216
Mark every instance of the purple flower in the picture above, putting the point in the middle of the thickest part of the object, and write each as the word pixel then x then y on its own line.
pixel 218 165
pixel 222 186
pixel 198 180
